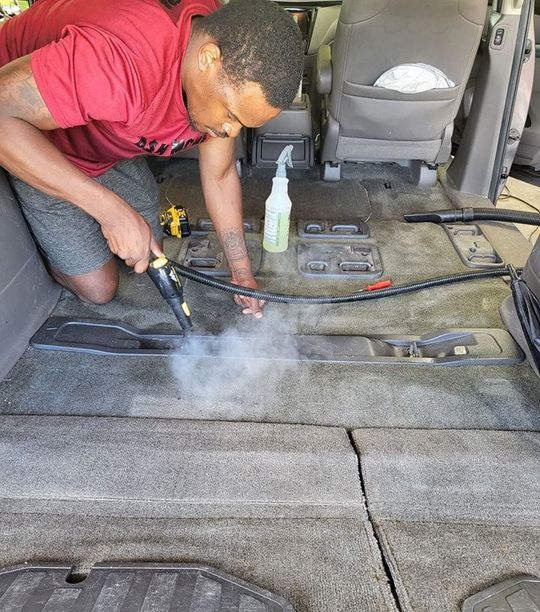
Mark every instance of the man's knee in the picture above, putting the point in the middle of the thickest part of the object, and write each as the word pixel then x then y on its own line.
pixel 97 287
pixel 97 295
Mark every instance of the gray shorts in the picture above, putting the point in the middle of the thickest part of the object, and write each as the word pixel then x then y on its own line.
pixel 71 240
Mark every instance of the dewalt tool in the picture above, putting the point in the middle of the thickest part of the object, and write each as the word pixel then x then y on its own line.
pixel 175 222
pixel 168 283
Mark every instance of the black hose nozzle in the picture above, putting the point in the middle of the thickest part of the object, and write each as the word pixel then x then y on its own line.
pixel 467 215
pixel 168 283
pixel 436 216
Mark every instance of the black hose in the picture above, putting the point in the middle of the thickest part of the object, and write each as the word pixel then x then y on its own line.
pixel 474 214
pixel 359 296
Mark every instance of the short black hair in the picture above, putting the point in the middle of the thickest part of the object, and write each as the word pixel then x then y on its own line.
pixel 259 42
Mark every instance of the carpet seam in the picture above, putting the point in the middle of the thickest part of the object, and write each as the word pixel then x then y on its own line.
pixel 392 562
pixel 384 561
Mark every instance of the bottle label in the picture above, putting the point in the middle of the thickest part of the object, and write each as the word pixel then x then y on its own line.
pixel 271 226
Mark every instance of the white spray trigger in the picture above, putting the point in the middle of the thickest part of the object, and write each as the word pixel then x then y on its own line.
pixel 284 160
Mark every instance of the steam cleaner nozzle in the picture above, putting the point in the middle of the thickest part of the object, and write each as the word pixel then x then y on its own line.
pixel 168 283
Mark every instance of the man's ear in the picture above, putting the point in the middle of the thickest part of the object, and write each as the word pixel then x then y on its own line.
pixel 209 57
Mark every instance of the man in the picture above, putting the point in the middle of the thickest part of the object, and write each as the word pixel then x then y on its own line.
pixel 85 85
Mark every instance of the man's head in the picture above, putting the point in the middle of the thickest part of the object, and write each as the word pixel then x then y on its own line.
pixel 242 67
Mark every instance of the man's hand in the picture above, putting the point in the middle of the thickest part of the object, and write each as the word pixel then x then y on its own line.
pixel 249 305
pixel 129 236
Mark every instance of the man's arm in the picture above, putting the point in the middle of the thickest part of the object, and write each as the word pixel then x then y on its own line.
pixel 28 154
pixel 223 195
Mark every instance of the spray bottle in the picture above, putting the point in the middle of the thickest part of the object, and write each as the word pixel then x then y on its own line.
pixel 278 207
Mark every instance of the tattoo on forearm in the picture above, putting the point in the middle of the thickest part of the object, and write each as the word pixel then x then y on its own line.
pixel 234 244
pixel 241 274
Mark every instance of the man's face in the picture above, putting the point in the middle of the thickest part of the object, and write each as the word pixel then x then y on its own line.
pixel 219 109
pixel 222 111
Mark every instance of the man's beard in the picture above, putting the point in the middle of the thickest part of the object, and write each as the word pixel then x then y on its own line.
pixel 192 123
pixel 195 127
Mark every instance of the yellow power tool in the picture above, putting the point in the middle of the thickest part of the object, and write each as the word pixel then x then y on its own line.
pixel 175 222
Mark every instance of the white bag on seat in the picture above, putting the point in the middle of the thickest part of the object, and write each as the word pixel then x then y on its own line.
pixel 413 78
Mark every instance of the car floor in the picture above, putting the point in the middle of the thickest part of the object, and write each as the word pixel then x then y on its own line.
pixel 338 486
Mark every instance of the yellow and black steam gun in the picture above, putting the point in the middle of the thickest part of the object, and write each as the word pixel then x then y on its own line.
pixel 168 283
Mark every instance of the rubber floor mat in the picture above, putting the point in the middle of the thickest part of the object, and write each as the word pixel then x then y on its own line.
pixel 520 594
pixel 134 587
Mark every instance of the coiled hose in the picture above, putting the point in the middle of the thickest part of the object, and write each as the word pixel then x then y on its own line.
pixel 474 214
pixel 358 296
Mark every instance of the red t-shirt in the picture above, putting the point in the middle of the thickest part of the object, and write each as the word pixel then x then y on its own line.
pixel 109 73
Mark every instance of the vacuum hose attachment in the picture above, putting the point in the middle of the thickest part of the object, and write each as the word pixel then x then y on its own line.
pixel 359 296
pixel 474 214
pixel 166 280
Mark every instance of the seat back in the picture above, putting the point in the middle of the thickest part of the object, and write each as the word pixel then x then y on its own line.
pixel 375 35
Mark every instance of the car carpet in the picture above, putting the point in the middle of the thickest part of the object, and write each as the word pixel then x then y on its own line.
pixel 455 511
pixel 280 506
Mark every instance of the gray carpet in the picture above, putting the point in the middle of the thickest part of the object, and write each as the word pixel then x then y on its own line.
pixel 455 511
pixel 277 392
pixel 185 469
pixel 461 305
pixel 409 253
pixel 436 566
pixel 318 565
pixel 459 476
pixel 280 506
pixel 350 396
